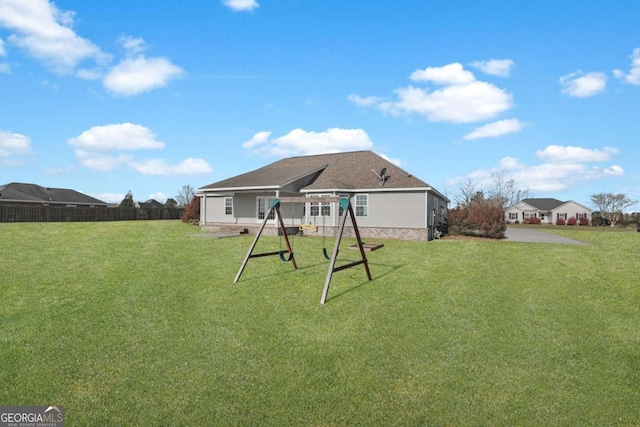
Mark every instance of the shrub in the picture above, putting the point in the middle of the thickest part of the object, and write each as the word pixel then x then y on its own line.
pixel 583 220
pixel 482 218
pixel 457 217
pixel 192 212
pixel 532 221
pixel 572 221
pixel 561 221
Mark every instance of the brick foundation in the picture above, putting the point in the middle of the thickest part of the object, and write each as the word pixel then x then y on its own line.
pixel 420 234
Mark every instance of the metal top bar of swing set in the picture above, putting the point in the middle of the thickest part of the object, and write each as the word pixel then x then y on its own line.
pixel 347 210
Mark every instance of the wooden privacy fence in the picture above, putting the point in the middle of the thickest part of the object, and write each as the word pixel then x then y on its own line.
pixel 84 214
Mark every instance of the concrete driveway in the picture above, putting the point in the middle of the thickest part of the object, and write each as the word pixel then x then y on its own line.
pixel 536 236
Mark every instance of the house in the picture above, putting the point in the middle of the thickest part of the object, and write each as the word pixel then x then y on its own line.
pixel 20 194
pixel 151 204
pixel 549 211
pixel 388 201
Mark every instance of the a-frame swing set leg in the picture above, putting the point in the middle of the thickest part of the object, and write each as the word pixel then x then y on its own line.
pixel 347 211
pixel 275 205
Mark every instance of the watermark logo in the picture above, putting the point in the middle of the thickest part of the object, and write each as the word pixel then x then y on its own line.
pixel 31 416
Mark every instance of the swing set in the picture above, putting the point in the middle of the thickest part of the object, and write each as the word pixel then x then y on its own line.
pixel 288 256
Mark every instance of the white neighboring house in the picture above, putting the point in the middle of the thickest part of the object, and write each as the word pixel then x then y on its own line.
pixel 548 210
pixel 388 201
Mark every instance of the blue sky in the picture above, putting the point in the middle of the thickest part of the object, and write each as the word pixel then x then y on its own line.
pixel 110 96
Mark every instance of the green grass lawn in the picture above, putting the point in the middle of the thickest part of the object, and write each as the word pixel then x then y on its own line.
pixel 140 323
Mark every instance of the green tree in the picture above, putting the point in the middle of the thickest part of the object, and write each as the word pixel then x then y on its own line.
pixel 170 203
pixel 128 202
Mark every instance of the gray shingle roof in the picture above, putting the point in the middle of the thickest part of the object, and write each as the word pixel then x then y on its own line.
pixel 350 170
pixel 543 204
pixel 32 193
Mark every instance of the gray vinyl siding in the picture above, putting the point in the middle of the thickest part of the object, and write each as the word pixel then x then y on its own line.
pixel 401 209
pixel 214 210
pixel 406 209
pixel 244 210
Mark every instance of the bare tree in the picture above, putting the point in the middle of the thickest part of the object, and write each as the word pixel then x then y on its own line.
pixel 505 191
pixel 185 195
pixel 611 205
pixel 466 192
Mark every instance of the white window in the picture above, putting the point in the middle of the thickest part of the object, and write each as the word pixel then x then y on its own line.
pixel 562 216
pixel 362 204
pixel 319 209
pixel 263 206
pixel 513 216
pixel 228 205
pixel 527 215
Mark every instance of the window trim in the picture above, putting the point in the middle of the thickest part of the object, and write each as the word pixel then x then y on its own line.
pixel 364 206
pixel 318 209
pixel 267 200
pixel 228 205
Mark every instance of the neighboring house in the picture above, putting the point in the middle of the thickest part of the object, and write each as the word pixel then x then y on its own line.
pixel 548 210
pixel 387 201
pixel 19 194
pixel 151 204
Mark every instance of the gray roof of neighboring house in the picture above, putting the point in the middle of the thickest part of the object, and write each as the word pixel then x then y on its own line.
pixel 151 203
pixel 357 170
pixel 543 204
pixel 32 193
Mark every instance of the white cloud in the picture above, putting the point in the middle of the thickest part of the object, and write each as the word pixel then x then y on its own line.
pixel 13 147
pixel 241 5
pixel 495 67
pixel 104 148
pixel 109 197
pixel 87 74
pixel 257 139
pixel 495 129
pixel 5 68
pixel 449 75
pixel 299 142
pixel 98 161
pixel 562 168
pixel 363 101
pixel 510 163
pixel 45 33
pixel 134 76
pixel 122 137
pixel 461 99
pixel 159 196
pixel 396 162
pixel 571 154
pixel 162 167
pixel 133 45
pixel 614 170
pixel 633 76
pixel 581 85
pixel 473 102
